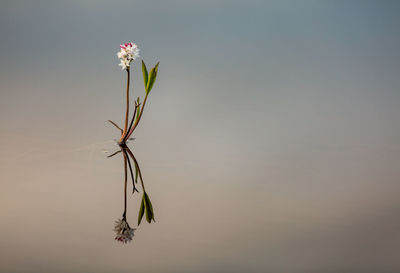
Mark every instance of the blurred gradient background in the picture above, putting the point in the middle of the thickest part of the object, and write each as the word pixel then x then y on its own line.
pixel 270 142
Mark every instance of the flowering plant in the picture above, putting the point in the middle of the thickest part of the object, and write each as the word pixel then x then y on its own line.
pixel 127 54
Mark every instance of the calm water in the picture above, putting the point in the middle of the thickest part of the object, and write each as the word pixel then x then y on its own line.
pixel 270 142
pixel 214 210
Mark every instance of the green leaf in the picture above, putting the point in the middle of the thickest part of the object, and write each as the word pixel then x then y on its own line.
pixel 148 202
pixel 137 113
pixel 145 74
pixel 136 172
pixel 156 67
pixel 149 208
pixel 150 83
pixel 138 108
pixel 148 213
pixel 152 78
pixel 141 211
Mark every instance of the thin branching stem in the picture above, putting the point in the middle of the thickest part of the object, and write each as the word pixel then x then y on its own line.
pixel 128 134
pixel 114 154
pixel 130 169
pixel 139 117
pixel 127 100
pixel 126 181
pixel 113 123
pixel 137 166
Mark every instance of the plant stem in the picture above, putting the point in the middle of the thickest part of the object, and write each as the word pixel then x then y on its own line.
pixel 137 165
pixel 130 169
pixel 113 123
pixel 126 182
pixel 114 154
pixel 127 100
pixel 140 116
pixel 128 134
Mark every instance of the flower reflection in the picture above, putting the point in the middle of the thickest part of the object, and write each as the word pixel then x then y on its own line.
pixel 124 233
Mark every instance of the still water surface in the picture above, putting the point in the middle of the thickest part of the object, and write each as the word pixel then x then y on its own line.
pixel 270 141
pixel 59 204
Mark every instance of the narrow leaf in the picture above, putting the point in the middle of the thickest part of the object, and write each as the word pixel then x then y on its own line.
pixel 148 212
pixel 156 67
pixel 152 78
pixel 137 104
pixel 145 74
pixel 148 201
pixel 141 211
pixel 136 172
pixel 150 82
pixel 149 208
pixel 137 113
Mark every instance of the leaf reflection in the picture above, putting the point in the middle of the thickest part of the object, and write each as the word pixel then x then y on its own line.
pixel 124 232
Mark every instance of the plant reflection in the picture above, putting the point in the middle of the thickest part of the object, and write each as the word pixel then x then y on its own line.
pixel 127 54
pixel 124 232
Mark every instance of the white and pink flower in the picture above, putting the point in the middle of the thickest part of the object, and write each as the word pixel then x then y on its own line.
pixel 124 232
pixel 128 52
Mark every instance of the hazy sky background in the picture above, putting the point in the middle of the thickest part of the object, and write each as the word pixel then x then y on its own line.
pixel 270 142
